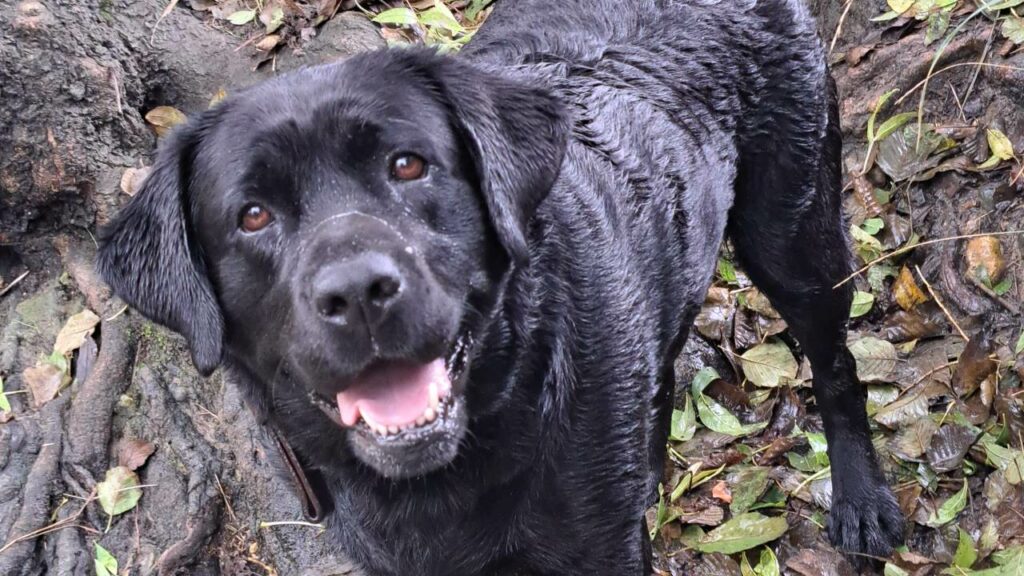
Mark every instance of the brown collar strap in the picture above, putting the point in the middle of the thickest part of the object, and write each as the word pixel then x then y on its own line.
pixel 312 506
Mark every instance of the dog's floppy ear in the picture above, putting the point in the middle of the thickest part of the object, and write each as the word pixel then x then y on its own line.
pixel 517 136
pixel 147 256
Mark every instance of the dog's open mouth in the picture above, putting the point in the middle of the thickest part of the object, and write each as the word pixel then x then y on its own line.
pixel 397 400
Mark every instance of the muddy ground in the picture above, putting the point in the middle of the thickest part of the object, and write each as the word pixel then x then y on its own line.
pixel 937 325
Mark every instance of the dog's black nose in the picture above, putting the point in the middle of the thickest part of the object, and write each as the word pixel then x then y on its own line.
pixel 360 289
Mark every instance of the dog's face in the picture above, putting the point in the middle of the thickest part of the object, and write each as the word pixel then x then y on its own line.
pixel 347 228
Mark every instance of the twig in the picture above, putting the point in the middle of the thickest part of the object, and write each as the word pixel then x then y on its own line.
pixel 290 523
pixel 839 26
pixel 819 474
pixel 941 305
pixel 984 55
pixel 906 249
pixel 13 283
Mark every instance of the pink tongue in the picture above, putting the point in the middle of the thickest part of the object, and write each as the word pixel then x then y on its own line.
pixel 395 395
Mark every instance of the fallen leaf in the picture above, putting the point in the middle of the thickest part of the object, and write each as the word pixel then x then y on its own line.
pixel 119 491
pixel 949 509
pixel 908 408
pixel 876 358
pixel 999 144
pixel 862 304
pixel 43 380
pixel 5 404
pixel 911 442
pixel 242 17
pixel 743 532
pixel 75 331
pixel 133 453
pixel 985 260
pixel 966 552
pixel 906 291
pixel 219 95
pixel 268 43
pixel 949 446
pixel 769 364
pixel 975 363
pixel 164 118
pixel 745 487
pixel 105 562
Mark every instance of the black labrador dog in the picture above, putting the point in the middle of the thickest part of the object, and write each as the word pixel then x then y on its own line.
pixel 457 284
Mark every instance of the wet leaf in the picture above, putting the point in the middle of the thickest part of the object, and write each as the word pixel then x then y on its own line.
pixel 894 570
pixel 903 158
pixel 119 491
pixel 912 441
pixel 966 553
pixel 43 380
pixel 949 509
pixel 746 486
pixel 726 271
pixel 910 407
pixel 769 364
pixel 743 532
pixel 105 563
pixel 1010 461
pixel 75 331
pixel 862 304
pixel 975 363
pixel 1019 347
pixel 164 118
pixel 712 414
pixel 242 17
pixel 924 322
pixel 876 358
pixel 133 453
pixel 906 291
pixel 949 446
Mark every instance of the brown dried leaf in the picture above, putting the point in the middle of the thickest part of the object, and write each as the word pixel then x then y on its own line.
pixel 75 331
pixel 975 363
pixel 924 322
pixel 713 320
pixel 268 43
pixel 912 441
pixel 44 381
pixel 906 291
pixel 985 261
pixel 133 453
pixel 164 118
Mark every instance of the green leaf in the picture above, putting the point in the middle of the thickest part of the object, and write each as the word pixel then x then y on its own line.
pixel 242 17
pixel 397 17
pixel 105 563
pixel 440 17
pixel 770 364
pixel 862 304
pixel 873 225
pixel 966 554
pixel 900 6
pixel 949 509
pixel 938 25
pixel 872 137
pixel 1004 286
pixel 743 532
pixel 894 570
pixel 475 7
pixel 893 124
pixel 684 423
pixel 1019 347
pixel 746 485
pixel 712 414
pixel 727 271
pixel 5 405
pixel 999 144
pixel 768 565
pixel 119 491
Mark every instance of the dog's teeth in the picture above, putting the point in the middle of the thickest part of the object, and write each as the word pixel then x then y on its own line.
pixel 432 395
pixel 392 429
pixel 421 420
pixel 429 415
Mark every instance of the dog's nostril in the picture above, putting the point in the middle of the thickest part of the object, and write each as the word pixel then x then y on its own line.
pixel 382 290
pixel 332 306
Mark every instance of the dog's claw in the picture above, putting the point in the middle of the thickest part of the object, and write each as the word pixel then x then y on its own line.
pixel 866 525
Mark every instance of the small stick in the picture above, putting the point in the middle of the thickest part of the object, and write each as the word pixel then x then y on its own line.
pixel 13 283
pixel 839 26
pixel 941 305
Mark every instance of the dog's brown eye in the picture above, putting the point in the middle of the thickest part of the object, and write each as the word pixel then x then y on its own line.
pixel 255 218
pixel 407 167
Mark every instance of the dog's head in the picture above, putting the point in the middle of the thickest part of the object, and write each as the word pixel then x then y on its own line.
pixel 347 226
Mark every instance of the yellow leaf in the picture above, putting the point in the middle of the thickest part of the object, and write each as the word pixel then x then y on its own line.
pixel 75 331
pixel 908 294
pixel 900 6
pixel 1000 145
pixel 163 118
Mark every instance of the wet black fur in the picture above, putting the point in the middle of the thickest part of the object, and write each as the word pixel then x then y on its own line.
pixel 597 151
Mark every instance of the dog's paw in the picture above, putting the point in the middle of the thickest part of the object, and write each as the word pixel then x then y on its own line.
pixel 865 525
